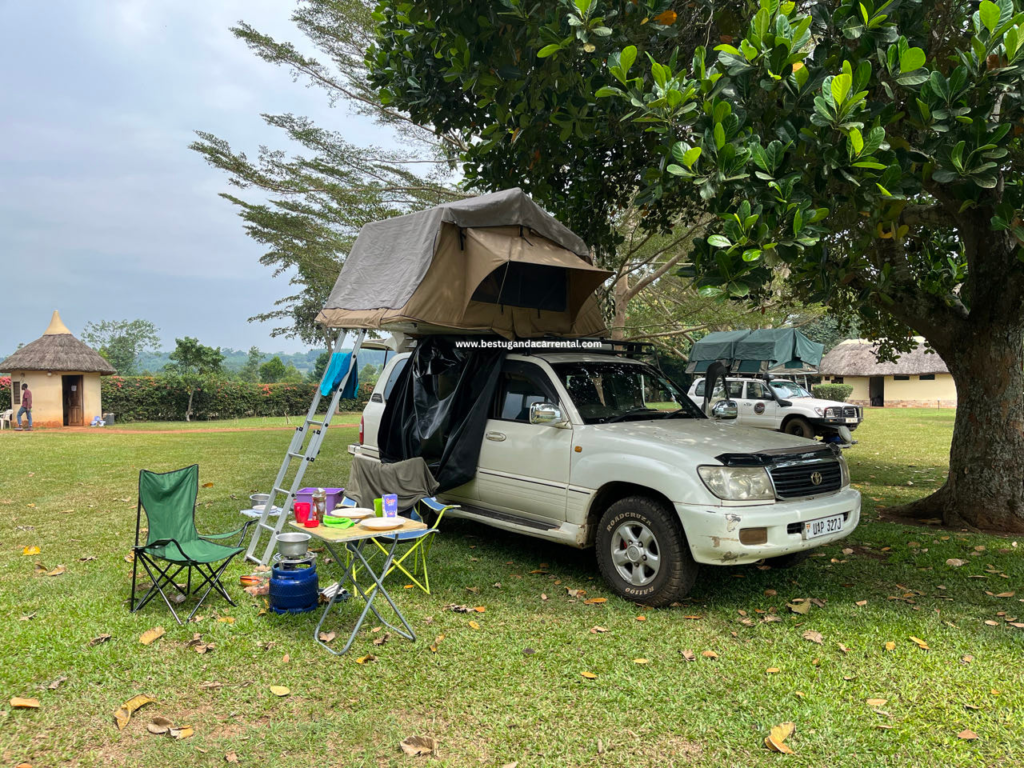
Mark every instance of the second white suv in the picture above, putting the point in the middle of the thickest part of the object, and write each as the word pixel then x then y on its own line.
pixel 783 406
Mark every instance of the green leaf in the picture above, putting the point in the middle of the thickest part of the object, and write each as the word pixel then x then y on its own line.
pixel 720 241
pixel 719 136
pixel 627 58
pixel 989 13
pixel 547 50
pixel 607 90
pixel 709 291
pixel 690 156
pixel 752 254
pixel 840 87
pixel 869 164
pixel 857 140
pixel 911 59
pixel 957 155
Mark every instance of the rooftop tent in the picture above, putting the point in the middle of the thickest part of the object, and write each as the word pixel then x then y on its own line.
pixel 496 263
pixel 769 350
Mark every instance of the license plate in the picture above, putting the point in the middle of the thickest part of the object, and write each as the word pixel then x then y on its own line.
pixel 851 420
pixel 826 526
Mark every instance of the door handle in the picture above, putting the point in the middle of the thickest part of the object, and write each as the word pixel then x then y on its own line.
pixel 495 436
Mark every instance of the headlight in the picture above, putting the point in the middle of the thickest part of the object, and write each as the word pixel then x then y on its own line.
pixel 818 411
pixel 845 471
pixel 737 483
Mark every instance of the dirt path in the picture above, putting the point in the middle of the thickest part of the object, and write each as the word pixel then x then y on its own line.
pixel 116 431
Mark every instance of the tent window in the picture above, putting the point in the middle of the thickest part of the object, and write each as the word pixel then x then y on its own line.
pixel 533 286
pixel 16 391
pixel 927 377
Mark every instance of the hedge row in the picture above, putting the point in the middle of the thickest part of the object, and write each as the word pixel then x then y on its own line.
pixel 837 392
pixel 165 398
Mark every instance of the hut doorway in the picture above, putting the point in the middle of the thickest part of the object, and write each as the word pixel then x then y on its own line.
pixel 72 390
pixel 876 391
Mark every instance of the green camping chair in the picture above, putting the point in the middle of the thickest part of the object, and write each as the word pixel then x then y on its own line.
pixel 173 544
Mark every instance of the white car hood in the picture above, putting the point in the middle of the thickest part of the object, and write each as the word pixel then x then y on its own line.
pixel 708 437
pixel 813 402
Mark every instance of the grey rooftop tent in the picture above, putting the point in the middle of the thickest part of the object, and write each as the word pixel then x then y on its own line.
pixel 769 350
pixel 493 264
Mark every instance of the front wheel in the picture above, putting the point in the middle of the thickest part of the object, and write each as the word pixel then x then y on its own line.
pixel 799 427
pixel 643 554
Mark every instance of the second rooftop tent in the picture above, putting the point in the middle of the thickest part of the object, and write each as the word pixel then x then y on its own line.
pixel 764 351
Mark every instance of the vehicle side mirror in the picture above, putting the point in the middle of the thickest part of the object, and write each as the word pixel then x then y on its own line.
pixel 547 413
pixel 724 410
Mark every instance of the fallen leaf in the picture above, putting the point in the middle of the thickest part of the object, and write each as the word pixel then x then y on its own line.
pixel 99 640
pixel 480 609
pixel 123 714
pixel 30 551
pixel 437 642
pixel 278 690
pixel 812 636
pixel 207 485
pixel 847 551
pixel 474 625
pixel 776 739
pixel 326 637
pixel 843 648
pixel 382 639
pixel 595 600
pixel 418 745
pixel 688 655
pixel 875 702
pixel 285 659
pixel 226 619
pixel 150 635
pixel 589 675
pixel 967 735
pixel 967 659
pixel 528 651
pixel 641 661
pixel 709 655
pixel 597 630
pixel 802 608
pixel 231 757
pixel 159 726
pixel 861 603
pixel 992 623
pixel 1001 594
pixel 955 562
pixel 801 694
pixel 770 593
pixel 773 670
pixel 182 733
pixel 919 642
pixel 641 618
pixel 366 659
pixel 19 703
pixel 890 646
pixel 28 616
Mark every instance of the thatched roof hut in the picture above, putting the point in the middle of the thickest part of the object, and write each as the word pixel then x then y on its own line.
pixel 856 357
pixel 57 350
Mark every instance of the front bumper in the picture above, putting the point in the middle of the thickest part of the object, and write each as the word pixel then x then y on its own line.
pixel 834 422
pixel 714 532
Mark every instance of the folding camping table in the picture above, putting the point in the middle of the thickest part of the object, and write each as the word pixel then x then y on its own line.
pixel 354 539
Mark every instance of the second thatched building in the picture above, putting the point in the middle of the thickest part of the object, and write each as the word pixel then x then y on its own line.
pixel 918 379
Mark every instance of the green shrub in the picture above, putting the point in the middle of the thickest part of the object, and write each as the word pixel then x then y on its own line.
pixel 165 398
pixel 836 392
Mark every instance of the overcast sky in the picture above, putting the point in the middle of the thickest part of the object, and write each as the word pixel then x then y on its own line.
pixel 105 214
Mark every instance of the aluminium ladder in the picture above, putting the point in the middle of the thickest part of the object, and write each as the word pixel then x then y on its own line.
pixel 313 429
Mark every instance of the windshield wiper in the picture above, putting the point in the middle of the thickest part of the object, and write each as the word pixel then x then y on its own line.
pixel 631 412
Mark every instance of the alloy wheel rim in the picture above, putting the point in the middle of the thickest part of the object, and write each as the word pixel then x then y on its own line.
pixel 635 553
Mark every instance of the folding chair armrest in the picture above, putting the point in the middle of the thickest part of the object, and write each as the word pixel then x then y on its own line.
pixel 438 508
pixel 229 534
pixel 160 543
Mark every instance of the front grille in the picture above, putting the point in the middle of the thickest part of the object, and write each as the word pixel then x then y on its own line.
pixel 851 411
pixel 795 480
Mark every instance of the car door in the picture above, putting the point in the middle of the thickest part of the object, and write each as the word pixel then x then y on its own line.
pixel 759 406
pixel 523 468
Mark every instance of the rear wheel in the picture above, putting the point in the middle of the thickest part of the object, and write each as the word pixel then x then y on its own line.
pixel 643 554
pixel 799 426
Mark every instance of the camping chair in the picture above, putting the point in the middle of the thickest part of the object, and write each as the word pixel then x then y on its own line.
pixel 5 418
pixel 421 541
pixel 172 543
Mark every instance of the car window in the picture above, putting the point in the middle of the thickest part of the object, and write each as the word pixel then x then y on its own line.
pixel 758 391
pixel 699 391
pixel 517 391
pixel 735 389
pixel 610 391
pixel 395 373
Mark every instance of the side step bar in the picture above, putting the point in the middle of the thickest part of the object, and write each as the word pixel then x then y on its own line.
pixel 506 517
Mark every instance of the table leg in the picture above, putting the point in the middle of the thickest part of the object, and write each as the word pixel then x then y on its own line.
pixel 368 595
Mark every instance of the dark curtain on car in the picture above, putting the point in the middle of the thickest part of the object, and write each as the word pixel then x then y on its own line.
pixel 439 407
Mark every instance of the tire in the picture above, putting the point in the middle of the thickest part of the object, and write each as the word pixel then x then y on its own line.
pixel 799 427
pixel 792 560
pixel 640 527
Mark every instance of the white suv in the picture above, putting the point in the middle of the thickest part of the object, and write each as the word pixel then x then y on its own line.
pixel 592 449
pixel 784 406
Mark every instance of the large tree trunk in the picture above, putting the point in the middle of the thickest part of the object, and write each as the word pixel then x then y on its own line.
pixel 985 487
pixel 621 297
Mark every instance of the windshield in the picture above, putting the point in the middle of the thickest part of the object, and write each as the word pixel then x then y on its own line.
pixel 788 390
pixel 606 392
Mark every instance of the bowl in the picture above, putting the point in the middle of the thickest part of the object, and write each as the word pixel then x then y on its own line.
pixel 292 544
pixel 258 499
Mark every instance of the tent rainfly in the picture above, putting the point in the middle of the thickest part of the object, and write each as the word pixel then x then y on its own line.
pixel 769 350
pixel 493 264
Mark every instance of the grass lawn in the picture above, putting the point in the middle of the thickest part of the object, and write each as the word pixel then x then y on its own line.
pixel 486 699
pixel 254 422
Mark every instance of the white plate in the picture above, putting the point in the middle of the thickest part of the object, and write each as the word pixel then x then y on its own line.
pixel 382 523
pixel 352 513
pixel 825 526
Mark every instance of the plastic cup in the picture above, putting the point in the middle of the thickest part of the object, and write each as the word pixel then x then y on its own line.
pixel 378 507
pixel 301 511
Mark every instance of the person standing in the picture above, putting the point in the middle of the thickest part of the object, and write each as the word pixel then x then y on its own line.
pixel 26 406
